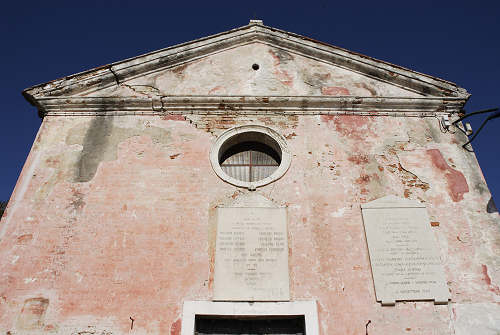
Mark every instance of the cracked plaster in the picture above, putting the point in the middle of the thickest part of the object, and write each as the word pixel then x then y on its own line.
pixel 121 209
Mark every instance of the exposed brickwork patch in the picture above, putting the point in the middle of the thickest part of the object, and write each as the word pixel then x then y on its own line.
pixel 32 314
pixel 176 327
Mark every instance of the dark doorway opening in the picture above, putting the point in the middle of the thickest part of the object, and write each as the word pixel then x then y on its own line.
pixel 255 325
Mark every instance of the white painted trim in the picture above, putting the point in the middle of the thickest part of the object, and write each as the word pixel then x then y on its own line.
pixel 392 201
pixel 306 308
pixel 376 106
pixel 286 156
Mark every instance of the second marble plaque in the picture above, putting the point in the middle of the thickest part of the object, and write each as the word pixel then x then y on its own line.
pixel 403 253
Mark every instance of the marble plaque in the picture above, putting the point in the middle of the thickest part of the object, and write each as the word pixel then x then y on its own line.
pixel 251 255
pixel 404 256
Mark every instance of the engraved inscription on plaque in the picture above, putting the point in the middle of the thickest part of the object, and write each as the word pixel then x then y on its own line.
pixel 403 254
pixel 251 256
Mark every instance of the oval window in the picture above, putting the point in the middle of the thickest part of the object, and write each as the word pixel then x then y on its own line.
pixel 250 156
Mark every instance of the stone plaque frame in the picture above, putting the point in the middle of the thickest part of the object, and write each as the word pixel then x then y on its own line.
pixel 251 254
pixel 404 256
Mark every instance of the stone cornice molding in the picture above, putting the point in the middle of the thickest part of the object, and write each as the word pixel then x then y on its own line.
pixel 426 106
pixel 120 72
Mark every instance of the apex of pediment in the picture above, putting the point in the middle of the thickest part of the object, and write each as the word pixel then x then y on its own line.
pixel 260 22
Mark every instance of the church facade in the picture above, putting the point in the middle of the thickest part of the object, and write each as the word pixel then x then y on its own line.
pixel 254 179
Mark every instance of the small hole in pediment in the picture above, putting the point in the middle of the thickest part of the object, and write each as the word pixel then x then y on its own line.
pixel 255 66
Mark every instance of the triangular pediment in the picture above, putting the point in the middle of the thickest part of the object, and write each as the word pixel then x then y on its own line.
pixel 225 65
pixel 254 69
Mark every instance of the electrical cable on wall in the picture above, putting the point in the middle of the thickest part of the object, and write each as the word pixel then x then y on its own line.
pixel 470 132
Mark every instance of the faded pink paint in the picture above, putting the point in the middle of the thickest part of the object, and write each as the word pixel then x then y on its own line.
pixel 136 234
pixel 354 126
pixel 216 89
pixel 457 184
pixel 334 90
pixel 137 239
pixel 493 288
pixel 284 77
pixel 176 327
pixel 358 159
pixel 174 117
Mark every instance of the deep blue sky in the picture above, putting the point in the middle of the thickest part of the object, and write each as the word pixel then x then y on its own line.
pixel 45 40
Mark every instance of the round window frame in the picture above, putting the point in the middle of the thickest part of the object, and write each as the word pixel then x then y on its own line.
pixel 286 156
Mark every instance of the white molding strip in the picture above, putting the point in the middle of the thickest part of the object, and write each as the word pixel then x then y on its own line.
pixel 306 308
pixel 425 106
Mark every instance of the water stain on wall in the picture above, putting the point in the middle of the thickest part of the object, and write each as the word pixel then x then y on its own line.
pixel 100 142
pixel 95 147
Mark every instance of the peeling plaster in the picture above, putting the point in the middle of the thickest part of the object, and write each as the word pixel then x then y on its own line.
pixel 457 184
pixel 114 217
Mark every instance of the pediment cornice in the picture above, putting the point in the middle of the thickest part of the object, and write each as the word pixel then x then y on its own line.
pixel 44 95
pixel 381 106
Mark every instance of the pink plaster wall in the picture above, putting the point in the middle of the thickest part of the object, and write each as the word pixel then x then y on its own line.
pixel 112 217
pixel 88 246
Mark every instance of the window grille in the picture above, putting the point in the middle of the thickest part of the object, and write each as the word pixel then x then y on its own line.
pixel 250 161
